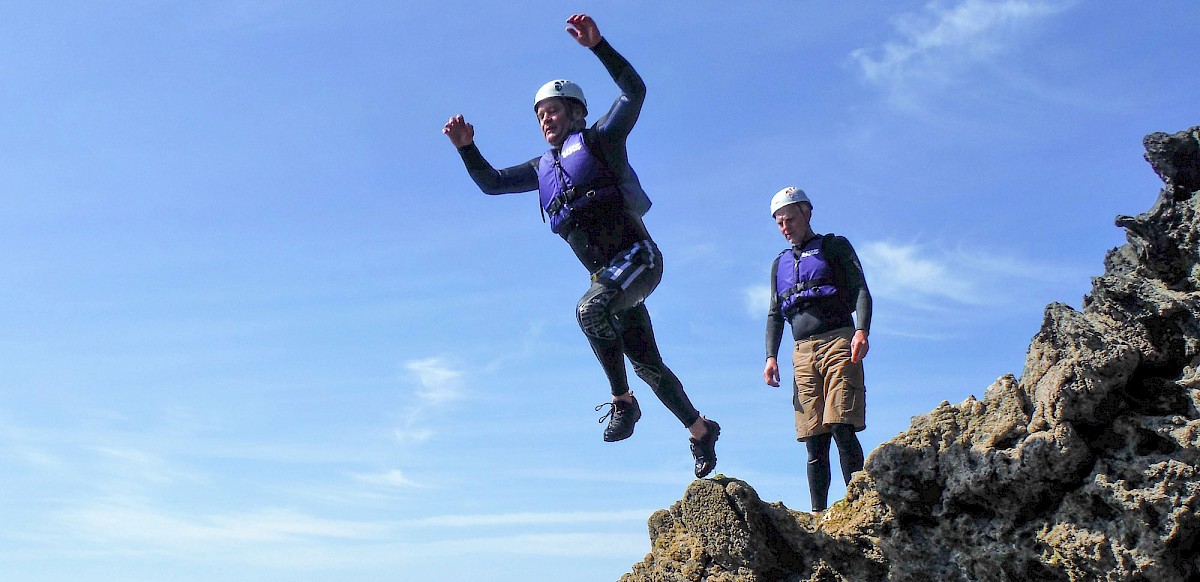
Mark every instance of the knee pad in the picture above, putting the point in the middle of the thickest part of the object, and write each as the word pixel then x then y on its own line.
pixel 594 318
pixel 650 374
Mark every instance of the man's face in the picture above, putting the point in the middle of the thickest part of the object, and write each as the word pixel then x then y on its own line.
pixel 793 222
pixel 557 118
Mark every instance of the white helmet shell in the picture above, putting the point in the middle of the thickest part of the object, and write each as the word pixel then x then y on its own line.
pixel 789 195
pixel 560 88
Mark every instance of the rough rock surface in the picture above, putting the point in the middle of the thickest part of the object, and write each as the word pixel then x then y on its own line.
pixel 1085 468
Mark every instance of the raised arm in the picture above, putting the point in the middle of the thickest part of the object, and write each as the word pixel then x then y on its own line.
pixel 519 178
pixel 619 120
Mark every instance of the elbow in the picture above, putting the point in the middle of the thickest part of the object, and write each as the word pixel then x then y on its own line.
pixel 632 86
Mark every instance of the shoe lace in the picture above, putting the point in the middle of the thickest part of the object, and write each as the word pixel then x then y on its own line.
pixel 612 411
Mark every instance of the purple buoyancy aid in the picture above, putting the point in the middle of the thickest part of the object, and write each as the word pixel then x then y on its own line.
pixel 573 177
pixel 804 275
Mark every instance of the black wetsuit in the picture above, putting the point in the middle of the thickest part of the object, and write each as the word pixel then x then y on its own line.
pixel 612 313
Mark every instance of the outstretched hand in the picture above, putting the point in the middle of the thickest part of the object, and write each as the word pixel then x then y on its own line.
pixel 583 29
pixel 459 131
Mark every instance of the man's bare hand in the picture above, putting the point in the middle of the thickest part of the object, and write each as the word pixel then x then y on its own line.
pixel 583 29
pixel 459 131
pixel 771 372
pixel 859 346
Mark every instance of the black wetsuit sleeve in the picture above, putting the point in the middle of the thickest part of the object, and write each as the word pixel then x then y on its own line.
pixel 519 178
pixel 612 129
pixel 775 319
pixel 623 114
pixel 856 283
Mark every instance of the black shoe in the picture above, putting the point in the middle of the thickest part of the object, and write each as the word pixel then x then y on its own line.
pixel 705 449
pixel 621 417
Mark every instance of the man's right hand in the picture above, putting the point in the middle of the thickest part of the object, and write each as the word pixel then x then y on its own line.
pixel 459 131
pixel 771 372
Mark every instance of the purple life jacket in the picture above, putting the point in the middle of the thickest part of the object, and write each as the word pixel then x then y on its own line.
pixel 805 275
pixel 573 178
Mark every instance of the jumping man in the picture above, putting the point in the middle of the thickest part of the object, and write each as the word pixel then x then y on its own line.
pixel 594 202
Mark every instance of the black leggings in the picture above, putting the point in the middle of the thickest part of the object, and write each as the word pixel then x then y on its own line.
pixel 849 453
pixel 617 325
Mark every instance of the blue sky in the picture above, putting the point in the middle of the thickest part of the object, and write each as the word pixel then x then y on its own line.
pixel 258 324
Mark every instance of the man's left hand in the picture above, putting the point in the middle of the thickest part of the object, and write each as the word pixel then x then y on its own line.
pixel 859 346
pixel 584 30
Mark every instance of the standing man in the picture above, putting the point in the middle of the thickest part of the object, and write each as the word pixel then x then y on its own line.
pixel 818 284
pixel 595 203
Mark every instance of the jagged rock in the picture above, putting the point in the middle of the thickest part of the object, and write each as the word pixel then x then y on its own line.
pixel 1085 468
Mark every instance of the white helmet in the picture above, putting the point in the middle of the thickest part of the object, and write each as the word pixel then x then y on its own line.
pixel 789 195
pixel 560 88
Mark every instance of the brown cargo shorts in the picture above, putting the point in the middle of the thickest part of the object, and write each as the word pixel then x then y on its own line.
pixel 828 388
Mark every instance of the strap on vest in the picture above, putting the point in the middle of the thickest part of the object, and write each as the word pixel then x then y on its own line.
pixel 573 194
pixel 805 286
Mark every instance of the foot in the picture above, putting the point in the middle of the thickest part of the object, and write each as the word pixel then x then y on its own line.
pixel 704 450
pixel 621 417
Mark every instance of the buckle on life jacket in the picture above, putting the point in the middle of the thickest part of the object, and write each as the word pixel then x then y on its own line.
pixel 804 286
pixel 572 194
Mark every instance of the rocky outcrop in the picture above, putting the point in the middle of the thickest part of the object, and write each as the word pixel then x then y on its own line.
pixel 1085 468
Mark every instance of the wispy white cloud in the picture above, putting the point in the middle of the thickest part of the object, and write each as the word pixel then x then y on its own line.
pixel 923 278
pixel 522 350
pixel 757 300
pixel 121 522
pixel 943 41
pixel 562 545
pixel 130 527
pixel 392 478
pixel 532 518
pixel 438 383
pixel 908 275
pixel 409 434
pixel 133 464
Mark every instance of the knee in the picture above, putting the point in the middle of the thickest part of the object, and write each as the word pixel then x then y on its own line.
pixel 649 373
pixel 843 433
pixel 593 316
pixel 818 447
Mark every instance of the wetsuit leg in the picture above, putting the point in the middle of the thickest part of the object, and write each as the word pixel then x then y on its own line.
pixel 623 284
pixel 594 314
pixel 613 316
pixel 637 335
pixel 818 470
pixel 850 452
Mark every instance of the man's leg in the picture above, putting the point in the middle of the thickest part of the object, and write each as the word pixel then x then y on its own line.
pixel 620 286
pixel 818 470
pixel 637 334
pixel 850 452
pixel 594 314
